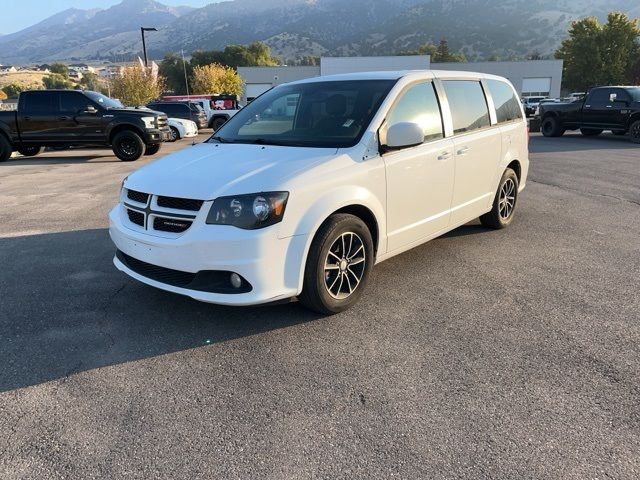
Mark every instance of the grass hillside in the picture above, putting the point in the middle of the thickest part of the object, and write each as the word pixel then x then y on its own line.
pixel 26 79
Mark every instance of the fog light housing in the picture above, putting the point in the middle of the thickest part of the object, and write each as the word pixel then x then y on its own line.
pixel 236 280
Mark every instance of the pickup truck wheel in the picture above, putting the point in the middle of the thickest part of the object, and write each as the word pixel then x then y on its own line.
pixel 634 131
pixel 29 151
pixel 127 146
pixel 551 127
pixel 338 265
pixel 590 132
pixel 152 149
pixel 216 123
pixel 504 203
pixel 5 149
pixel 175 134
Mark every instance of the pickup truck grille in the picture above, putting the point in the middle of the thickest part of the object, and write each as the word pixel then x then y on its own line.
pixel 150 212
pixel 162 122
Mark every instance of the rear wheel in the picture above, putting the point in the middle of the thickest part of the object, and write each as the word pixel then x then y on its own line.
pixel 504 203
pixel 5 149
pixel 152 149
pixel 128 146
pixel 634 131
pixel 29 151
pixel 590 132
pixel 338 265
pixel 175 134
pixel 551 127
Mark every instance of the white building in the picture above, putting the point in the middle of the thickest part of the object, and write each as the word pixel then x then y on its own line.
pixel 535 77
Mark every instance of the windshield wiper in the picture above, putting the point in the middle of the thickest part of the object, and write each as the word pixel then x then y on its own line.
pixel 220 139
pixel 264 141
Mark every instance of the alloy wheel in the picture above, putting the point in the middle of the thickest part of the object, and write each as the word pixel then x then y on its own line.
pixel 507 199
pixel 344 266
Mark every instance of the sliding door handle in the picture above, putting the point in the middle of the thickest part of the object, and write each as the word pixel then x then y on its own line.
pixel 462 151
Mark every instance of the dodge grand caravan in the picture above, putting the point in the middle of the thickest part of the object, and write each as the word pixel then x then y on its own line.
pixel 314 182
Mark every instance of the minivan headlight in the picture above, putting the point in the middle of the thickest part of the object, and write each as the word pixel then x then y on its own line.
pixel 249 212
pixel 149 122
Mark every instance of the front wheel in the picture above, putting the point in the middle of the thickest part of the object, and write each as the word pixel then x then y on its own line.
pixel 175 134
pixel 29 151
pixel 338 265
pixel 504 203
pixel 152 149
pixel 128 146
pixel 590 132
pixel 5 149
pixel 634 131
pixel 216 123
pixel 551 127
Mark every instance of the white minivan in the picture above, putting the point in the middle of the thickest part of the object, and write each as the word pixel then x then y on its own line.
pixel 314 182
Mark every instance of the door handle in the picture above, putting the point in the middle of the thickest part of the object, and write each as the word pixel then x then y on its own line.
pixel 444 156
pixel 462 151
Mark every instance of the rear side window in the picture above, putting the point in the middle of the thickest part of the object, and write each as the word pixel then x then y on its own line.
pixel 468 105
pixel 40 102
pixel 599 96
pixel 505 101
pixel 419 104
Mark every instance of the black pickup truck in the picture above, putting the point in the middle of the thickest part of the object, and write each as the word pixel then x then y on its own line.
pixel 603 108
pixel 63 118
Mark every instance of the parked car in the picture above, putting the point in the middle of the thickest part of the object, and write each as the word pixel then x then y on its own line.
pixel 546 100
pixel 575 96
pixel 64 118
pixel 181 128
pixel 530 104
pixel 218 108
pixel 187 110
pixel 604 108
pixel 354 170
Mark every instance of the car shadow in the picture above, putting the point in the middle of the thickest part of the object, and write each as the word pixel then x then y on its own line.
pixel 66 309
pixel 575 141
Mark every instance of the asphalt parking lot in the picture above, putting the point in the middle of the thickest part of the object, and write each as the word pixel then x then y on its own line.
pixel 483 354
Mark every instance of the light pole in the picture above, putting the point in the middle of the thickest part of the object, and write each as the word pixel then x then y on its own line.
pixel 144 46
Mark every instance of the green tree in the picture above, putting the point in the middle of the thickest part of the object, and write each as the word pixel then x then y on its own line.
pixel 13 89
pixel 172 69
pixel 60 69
pixel 595 54
pixel 439 53
pixel 216 78
pixel 90 81
pixel 136 87
pixel 256 54
pixel 56 80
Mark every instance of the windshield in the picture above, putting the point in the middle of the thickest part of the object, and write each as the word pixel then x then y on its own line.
pixel 318 114
pixel 103 100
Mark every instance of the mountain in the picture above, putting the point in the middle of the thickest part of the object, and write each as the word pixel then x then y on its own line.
pixel 295 28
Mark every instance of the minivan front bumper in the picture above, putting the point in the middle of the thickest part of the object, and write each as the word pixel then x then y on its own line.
pixel 271 266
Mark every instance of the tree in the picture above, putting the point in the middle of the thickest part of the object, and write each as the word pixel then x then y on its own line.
pixel 439 54
pixel 60 69
pixel 597 54
pixel 13 89
pixel 137 87
pixel 56 80
pixel 172 69
pixel 90 81
pixel 216 78
pixel 3 96
pixel 256 54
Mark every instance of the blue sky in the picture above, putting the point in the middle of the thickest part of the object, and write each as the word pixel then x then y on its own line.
pixel 17 15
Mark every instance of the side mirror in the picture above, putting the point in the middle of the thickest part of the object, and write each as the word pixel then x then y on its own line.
pixel 613 97
pixel 403 135
pixel 90 109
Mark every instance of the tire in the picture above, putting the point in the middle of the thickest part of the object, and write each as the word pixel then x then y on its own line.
pixel 29 151
pixel 152 149
pixel 502 212
pixel 127 146
pixel 634 131
pixel 5 149
pixel 216 123
pixel 335 289
pixel 590 132
pixel 175 134
pixel 619 133
pixel 551 127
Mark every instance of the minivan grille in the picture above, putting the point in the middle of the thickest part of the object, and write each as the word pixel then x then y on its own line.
pixel 136 217
pixel 154 272
pixel 171 225
pixel 137 196
pixel 180 203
